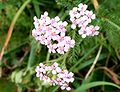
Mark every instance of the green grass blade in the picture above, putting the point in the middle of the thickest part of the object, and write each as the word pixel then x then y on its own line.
pixel 89 62
pixel 94 84
pixel 37 9
pixel 32 54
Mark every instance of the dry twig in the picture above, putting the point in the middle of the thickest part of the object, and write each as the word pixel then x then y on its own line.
pixel 19 62
pixel 117 54
pixel 10 31
pixel 111 75
pixel 95 3
pixel 94 63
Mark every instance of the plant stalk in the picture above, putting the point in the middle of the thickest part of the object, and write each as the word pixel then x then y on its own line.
pixel 11 30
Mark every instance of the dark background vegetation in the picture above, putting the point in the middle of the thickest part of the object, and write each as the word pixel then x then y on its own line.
pixel 23 53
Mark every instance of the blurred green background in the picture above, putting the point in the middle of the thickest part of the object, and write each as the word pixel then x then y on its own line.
pixel 23 53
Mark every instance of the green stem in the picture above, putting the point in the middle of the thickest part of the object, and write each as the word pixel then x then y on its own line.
pixel 63 14
pixel 74 32
pixel 32 54
pixel 65 56
pixel 21 9
pixel 56 60
pixel 64 60
pixel 48 57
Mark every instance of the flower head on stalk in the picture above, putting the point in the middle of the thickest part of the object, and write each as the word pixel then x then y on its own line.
pixel 81 17
pixel 51 32
pixel 54 75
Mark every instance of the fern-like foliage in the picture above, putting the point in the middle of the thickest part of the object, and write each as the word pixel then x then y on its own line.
pixel 111 22
pixel 75 52
pixel 69 4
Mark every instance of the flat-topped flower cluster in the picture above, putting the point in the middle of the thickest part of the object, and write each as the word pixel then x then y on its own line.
pixel 51 32
pixel 54 75
pixel 81 17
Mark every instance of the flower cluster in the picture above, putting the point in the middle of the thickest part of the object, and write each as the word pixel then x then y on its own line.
pixel 51 32
pixel 54 75
pixel 81 17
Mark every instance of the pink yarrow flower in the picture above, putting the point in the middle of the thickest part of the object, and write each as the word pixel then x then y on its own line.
pixel 54 75
pixel 51 32
pixel 81 17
